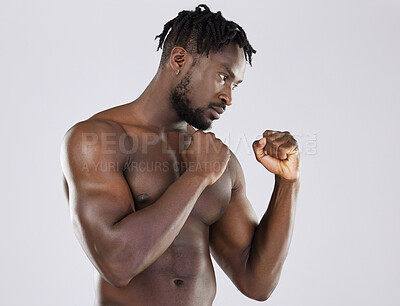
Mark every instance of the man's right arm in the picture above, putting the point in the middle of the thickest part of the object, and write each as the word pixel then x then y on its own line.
pixel 119 241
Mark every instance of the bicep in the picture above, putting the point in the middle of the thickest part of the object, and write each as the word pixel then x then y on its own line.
pixel 99 195
pixel 100 201
pixel 232 234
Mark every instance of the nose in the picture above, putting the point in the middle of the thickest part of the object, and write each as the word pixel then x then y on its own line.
pixel 226 98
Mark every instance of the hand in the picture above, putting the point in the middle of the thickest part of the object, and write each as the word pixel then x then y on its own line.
pixel 206 156
pixel 278 153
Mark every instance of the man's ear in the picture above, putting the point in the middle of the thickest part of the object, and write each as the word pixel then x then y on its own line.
pixel 179 58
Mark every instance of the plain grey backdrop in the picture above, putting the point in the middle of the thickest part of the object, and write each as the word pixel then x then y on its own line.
pixel 328 71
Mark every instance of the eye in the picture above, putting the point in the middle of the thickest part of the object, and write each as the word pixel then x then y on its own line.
pixel 234 86
pixel 223 77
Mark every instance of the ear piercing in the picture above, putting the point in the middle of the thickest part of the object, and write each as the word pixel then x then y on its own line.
pixel 177 72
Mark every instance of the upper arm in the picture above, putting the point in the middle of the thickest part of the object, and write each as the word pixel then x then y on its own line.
pixel 99 195
pixel 232 234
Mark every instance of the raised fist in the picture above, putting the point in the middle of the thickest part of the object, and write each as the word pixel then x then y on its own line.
pixel 278 153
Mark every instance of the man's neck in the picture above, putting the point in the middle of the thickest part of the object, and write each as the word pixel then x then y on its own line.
pixel 153 107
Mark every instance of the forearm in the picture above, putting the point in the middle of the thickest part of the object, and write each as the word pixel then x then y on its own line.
pixel 148 232
pixel 272 236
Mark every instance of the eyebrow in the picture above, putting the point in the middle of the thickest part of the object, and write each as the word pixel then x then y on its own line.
pixel 230 72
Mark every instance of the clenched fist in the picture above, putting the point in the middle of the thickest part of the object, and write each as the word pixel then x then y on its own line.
pixel 206 156
pixel 278 153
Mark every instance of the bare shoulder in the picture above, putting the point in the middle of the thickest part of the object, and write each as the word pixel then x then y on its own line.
pixel 236 173
pixel 124 114
pixel 93 131
pixel 93 141
pixel 95 125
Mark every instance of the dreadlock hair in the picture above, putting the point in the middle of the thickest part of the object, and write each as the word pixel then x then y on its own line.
pixel 201 31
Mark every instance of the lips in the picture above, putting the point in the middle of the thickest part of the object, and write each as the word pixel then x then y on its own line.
pixel 218 109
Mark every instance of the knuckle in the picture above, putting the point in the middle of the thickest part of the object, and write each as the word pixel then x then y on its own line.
pixel 267 132
pixel 285 138
pixel 282 154
pixel 293 142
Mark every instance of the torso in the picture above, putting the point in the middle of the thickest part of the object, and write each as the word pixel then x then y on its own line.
pixel 184 274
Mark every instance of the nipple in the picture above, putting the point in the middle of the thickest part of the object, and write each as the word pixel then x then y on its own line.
pixel 143 197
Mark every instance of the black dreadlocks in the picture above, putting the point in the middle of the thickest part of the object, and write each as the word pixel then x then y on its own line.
pixel 201 31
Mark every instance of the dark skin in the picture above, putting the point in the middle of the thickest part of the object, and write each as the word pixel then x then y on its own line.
pixel 150 197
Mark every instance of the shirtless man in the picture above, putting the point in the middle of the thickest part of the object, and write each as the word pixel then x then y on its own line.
pixel 150 196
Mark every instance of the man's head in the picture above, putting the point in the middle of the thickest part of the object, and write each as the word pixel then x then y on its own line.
pixel 201 31
pixel 211 53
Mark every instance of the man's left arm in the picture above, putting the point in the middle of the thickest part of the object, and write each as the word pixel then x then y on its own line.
pixel 251 253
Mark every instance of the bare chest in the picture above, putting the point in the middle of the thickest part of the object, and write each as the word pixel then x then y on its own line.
pixel 156 164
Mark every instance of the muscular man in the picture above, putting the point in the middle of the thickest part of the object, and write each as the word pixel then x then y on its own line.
pixel 151 194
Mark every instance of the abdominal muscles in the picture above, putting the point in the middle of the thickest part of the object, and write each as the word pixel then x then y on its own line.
pixel 183 275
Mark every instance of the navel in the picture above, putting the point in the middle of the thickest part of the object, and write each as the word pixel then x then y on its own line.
pixel 178 282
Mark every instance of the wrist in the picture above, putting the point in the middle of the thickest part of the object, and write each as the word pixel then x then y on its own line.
pixel 198 178
pixel 281 179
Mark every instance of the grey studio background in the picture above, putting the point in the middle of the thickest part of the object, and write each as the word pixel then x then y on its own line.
pixel 328 71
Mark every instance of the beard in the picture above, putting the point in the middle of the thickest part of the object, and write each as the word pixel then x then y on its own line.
pixel 182 106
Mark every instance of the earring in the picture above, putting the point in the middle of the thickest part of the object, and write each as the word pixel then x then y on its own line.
pixel 177 72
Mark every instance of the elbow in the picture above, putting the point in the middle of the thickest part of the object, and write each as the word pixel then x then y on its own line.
pixel 117 281
pixel 263 296
pixel 261 291
pixel 120 272
pixel 115 275
pixel 117 267
pixel 260 295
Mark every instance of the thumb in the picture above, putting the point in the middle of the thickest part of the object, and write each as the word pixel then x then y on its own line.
pixel 258 148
